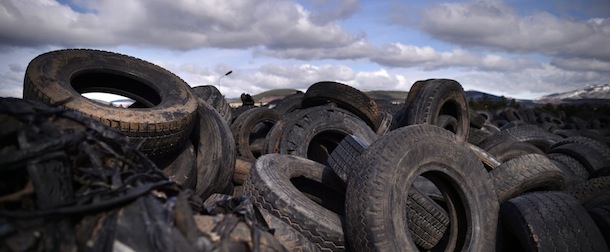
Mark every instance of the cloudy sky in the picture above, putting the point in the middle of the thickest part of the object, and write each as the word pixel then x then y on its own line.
pixel 518 48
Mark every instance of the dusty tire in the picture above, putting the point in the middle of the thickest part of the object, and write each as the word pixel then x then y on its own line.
pixel 315 132
pixel 251 125
pixel 212 96
pixel 526 173
pixel 571 168
pixel 60 77
pixel 215 152
pixel 428 100
pixel 375 199
pixel 549 221
pixel 272 182
pixel 346 97
pixel 592 154
pixel 589 189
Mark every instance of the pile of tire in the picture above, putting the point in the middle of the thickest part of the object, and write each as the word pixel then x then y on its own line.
pixel 332 169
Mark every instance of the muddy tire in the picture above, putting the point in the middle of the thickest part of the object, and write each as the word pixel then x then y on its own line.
pixel 375 200
pixel 161 126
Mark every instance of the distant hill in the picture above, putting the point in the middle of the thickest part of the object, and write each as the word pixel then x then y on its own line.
pixel 591 94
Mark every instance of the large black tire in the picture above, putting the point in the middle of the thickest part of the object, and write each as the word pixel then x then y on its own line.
pixel 250 126
pixel 215 152
pixel 525 133
pixel 346 97
pixel 589 189
pixel 427 221
pixel 315 132
pixel 526 173
pixel 376 198
pixel 163 124
pixel 212 96
pixel 428 100
pixel 303 193
pixel 549 221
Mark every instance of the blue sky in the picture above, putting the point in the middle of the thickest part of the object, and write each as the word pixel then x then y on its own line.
pixel 521 49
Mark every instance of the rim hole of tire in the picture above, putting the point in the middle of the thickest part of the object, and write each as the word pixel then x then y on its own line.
pixel 107 81
pixel 452 109
pixel 257 136
pixel 323 144
pixel 321 194
pixel 457 209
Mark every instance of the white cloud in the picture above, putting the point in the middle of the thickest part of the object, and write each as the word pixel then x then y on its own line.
pixel 181 24
pixel 494 24
pixel 326 11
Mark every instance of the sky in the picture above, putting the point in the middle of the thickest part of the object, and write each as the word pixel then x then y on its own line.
pixel 520 48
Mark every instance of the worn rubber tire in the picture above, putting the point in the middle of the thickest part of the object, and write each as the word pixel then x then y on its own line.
pixel 591 153
pixel 292 239
pixel 574 171
pixel 315 132
pixel 549 221
pixel 477 120
pixel 476 136
pixel 427 221
pixel 531 172
pixel 509 150
pixel 428 100
pixel 251 125
pixel 215 152
pixel 271 184
pixel 375 199
pixel 525 133
pixel 346 97
pixel 589 189
pixel 212 96
pixel 60 77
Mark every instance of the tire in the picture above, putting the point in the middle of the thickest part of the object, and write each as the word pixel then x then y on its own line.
pixel 289 104
pixel 593 154
pixel 279 184
pixel 288 236
pixel 181 167
pixel 427 221
pixel 346 97
pixel 511 114
pixel 589 189
pixel 601 217
pixel 215 152
pixel 476 136
pixel 375 199
pixel 346 154
pixel 526 133
pixel 212 96
pixel 428 100
pixel 477 120
pixel 253 124
pixel 571 168
pixel 549 221
pixel 235 112
pixel 315 132
pixel 531 172
pixel 386 123
pixel 509 150
pixel 164 123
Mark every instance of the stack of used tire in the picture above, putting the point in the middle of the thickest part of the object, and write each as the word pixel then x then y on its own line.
pixel 330 169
